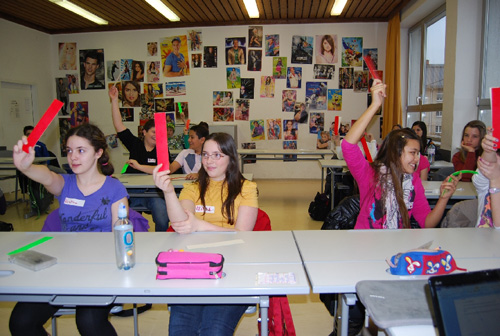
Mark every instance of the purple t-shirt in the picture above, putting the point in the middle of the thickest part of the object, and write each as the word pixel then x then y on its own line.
pixel 92 213
pixel 372 214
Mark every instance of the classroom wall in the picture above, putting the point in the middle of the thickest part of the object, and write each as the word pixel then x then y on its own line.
pixel 43 69
pixel 202 82
pixel 25 58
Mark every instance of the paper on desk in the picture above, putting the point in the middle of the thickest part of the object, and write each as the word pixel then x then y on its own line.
pixel 221 243
pixel 276 278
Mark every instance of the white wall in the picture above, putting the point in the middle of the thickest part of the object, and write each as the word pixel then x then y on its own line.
pixel 25 58
pixel 202 82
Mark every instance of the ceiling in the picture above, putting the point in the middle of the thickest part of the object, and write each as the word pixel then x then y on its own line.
pixel 45 16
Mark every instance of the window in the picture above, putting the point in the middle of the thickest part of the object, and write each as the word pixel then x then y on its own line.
pixel 426 72
pixel 490 65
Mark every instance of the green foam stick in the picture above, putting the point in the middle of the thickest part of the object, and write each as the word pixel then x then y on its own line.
pixel 463 172
pixel 180 107
pixel 27 247
pixel 124 169
pixel 458 173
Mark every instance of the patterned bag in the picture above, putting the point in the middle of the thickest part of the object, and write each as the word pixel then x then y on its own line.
pixel 423 262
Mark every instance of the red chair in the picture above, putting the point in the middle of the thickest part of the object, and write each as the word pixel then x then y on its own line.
pixel 263 222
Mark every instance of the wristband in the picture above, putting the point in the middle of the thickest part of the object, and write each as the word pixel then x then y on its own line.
pixel 494 190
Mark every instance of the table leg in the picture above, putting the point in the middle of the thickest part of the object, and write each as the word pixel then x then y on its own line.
pixel 264 307
pixel 242 163
pixel 332 187
pixel 345 300
pixel 322 178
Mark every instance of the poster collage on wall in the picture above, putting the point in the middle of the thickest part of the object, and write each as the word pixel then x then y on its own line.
pixel 146 86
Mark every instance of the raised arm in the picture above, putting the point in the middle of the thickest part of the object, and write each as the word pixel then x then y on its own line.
pixel 358 129
pixel 115 110
pixel 39 173
pixel 162 180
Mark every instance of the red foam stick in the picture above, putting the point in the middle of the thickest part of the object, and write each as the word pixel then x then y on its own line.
pixel 336 125
pixel 42 125
pixel 187 124
pixel 495 111
pixel 367 151
pixel 371 66
pixel 162 140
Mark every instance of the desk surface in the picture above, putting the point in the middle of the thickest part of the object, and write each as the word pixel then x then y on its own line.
pixel 329 163
pixel 86 265
pixel 10 160
pixel 336 260
pixel 465 190
pixel 285 151
pixel 146 180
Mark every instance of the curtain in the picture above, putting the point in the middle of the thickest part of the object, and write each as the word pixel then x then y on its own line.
pixel 392 107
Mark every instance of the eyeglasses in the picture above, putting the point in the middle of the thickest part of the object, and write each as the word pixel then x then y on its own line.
pixel 214 156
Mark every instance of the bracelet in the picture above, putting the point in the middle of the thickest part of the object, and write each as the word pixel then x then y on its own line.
pixel 494 190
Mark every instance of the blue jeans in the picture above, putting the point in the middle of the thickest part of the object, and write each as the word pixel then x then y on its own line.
pixel 157 207
pixel 204 320
pixel 28 318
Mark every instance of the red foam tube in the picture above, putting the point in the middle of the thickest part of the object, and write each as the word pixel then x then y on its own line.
pixel 367 151
pixel 162 140
pixel 42 125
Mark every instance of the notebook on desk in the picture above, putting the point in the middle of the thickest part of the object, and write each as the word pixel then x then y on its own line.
pixel 467 303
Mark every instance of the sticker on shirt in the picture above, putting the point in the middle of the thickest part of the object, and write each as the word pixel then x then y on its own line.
pixel 74 202
pixel 151 160
pixel 208 209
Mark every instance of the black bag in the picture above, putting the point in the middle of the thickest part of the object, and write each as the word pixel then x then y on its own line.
pixel 318 209
pixel 6 226
pixel 344 215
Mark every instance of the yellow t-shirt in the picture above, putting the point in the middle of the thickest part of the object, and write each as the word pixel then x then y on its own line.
pixel 213 201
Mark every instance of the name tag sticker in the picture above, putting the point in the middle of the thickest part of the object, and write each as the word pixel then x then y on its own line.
pixel 74 201
pixel 151 160
pixel 208 209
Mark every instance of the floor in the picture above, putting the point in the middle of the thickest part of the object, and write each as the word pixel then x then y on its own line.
pixel 285 201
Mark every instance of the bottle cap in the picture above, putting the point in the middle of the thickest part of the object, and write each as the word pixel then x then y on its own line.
pixel 122 211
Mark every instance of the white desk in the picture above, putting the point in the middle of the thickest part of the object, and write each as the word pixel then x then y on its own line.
pixel 277 154
pixel 336 260
pixel 86 273
pixel 145 181
pixel 10 160
pixel 464 191
pixel 441 164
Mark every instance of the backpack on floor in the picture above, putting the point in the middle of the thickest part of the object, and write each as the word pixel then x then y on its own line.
pixel 319 208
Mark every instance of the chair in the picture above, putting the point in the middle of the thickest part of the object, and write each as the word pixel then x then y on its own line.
pixel 53 224
pixel 462 214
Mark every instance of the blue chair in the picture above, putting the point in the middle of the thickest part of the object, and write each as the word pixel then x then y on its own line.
pixel 53 224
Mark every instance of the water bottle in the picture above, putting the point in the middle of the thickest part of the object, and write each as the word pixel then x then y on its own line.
pixel 431 151
pixel 124 240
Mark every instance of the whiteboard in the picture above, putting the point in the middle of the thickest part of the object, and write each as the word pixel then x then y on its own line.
pixel 16 109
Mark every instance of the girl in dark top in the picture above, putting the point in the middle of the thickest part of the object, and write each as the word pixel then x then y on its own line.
pixel 471 149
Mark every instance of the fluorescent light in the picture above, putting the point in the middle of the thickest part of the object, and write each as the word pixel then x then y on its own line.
pixel 164 10
pixel 252 10
pixel 338 7
pixel 80 11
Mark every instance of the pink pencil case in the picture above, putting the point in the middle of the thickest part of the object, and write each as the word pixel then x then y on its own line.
pixel 189 265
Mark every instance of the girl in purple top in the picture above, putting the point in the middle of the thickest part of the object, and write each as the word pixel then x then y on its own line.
pixel 89 201
pixel 383 203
